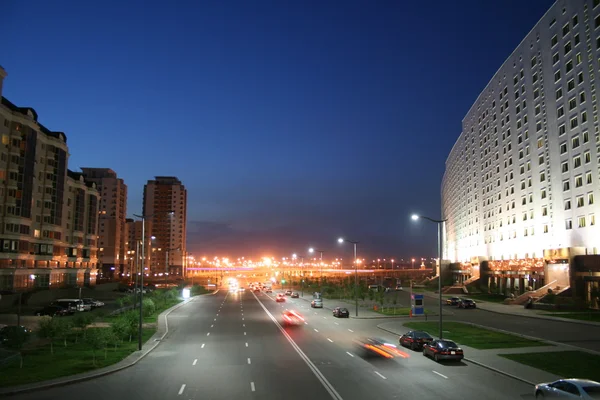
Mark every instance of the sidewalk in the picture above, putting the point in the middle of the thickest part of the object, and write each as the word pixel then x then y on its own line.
pixel 491 359
pixel 517 310
pixel 129 361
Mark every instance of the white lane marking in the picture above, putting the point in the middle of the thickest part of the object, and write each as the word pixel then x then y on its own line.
pixel 330 340
pixel 208 334
pixel 202 346
pixel 316 331
pixel 252 387
pixel 305 323
pixel 326 384
pixel 249 362
pixel 182 389
pixel 246 344
pixel 244 333
pixel 442 375
pixel 217 314
pixel 215 319
pixel 242 318
pixel 350 354
pixel 336 323
pixel 211 326
pixel 350 330
pixel 244 325
pixel 195 361
pixel 382 377
pixel 324 317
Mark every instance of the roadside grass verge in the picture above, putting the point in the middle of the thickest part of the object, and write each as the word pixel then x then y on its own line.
pixel 567 364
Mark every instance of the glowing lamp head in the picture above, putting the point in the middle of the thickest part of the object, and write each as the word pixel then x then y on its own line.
pixel 311 250
pixel 341 240
pixel 414 217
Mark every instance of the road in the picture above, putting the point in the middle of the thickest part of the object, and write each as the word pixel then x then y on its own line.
pixel 571 333
pixel 231 346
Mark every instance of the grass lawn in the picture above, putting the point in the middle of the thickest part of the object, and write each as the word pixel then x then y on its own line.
pixel 583 316
pixel 397 311
pixel 40 365
pixel 567 364
pixel 473 336
pixel 493 298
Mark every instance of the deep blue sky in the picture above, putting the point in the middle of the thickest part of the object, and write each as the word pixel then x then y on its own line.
pixel 290 123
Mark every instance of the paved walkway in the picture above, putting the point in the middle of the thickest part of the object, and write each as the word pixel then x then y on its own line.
pixel 491 359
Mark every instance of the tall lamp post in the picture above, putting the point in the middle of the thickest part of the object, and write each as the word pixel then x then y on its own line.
pixel 167 263
pixel 440 223
pixel 342 240
pixel 141 320
pixel 311 250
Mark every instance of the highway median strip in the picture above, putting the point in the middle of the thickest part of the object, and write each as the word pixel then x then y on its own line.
pixel 476 337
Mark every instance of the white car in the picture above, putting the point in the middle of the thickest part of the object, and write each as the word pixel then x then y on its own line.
pixel 568 389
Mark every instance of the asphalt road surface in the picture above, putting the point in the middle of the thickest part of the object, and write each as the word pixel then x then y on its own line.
pixel 233 346
pixel 571 333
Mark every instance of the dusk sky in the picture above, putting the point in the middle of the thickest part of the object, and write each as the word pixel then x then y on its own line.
pixel 290 123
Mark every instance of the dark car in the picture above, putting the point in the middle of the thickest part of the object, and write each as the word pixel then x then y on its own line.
pixel 415 339
pixel 371 346
pixel 440 350
pixel 453 301
pixel 288 292
pixel 341 312
pixel 467 303
pixel 13 334
pixel 295 295
pixel 54 311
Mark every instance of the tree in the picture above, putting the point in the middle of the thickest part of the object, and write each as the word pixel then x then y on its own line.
pixel 97 339
pixel 131 319
pixel 49 329
pixel 81 321
pixel 149 307
pixel 15 339
pixel 65 327
pixel 395 301
pixel 119 328
pixel 371 295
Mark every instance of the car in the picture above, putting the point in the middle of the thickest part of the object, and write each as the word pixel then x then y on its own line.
pixel 288 292
pixel 11 334
pixel 280 298
pixel 441 349
pixel 92 302
pixel 453 301
pixel 269 290
pixel 292 318
pixel 415 339
pixel 341 312
pixel 398 288
pixel 568 389
pixel 295 295
pixel 317 303
pixel 467 303
pixel 53 311
pixel 256 289
pixel 372 346
pixel 241 289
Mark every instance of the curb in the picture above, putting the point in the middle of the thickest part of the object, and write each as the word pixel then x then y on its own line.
pixel 478 363
pixel 67 381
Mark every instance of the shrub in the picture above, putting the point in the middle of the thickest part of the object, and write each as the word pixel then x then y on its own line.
pixel 149 307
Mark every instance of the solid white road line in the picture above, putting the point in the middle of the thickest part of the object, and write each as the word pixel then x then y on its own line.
pixel 350 330
pixel 202 346
pixel 336 323
pixel 330 340
pixel 324 317
pixel 244 325
pixel 350 354
pixel 316 331
pixel 208 334
pixel 246 344
pixel 442 375
pixel 249 362
pixel 252 387
pixel 182 389
pixel 195 361
pixel 326 384
pixel 242 318
pixel 382 377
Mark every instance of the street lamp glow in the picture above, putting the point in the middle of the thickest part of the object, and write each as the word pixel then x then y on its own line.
pixel 414 217
pixel 341 240
pixel 311 250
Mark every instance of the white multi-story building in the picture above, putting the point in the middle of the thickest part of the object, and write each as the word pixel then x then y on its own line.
pixel 522 180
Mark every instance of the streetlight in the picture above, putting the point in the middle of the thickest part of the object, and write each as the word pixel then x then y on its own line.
pixel 143 217
pixel 342 240
pixel 440 223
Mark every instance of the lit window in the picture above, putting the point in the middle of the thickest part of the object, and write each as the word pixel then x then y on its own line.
pixel 590 198
pixel 581 221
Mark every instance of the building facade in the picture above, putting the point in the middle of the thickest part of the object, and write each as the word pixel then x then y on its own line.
pixel 133 245
pixel 521 185
pixel 48 214
pixel 111 225
pixel 165 202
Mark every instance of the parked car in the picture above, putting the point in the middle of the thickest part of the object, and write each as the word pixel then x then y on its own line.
pixel 295 295
pixel 341 312
pixel 453 301
pixel 415 339
pixel 317 303
pixel 54 311
pixel 440 349
pixel 288 292
pixel 467 303
pixel 568 389
pixel 71 304
pixel 13 333
pixel 92 302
